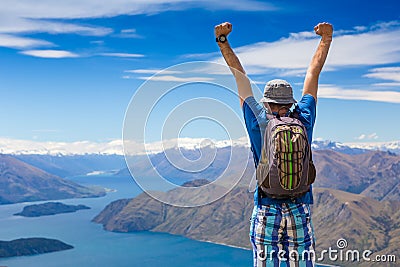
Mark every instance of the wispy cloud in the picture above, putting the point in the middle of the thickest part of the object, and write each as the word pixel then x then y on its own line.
pixel 372 136
pixel 329 91
pixel 387 73
pixel 152 71
pixel 386 84
pixel 133 74
pixel 101 8
pixel 49 53
pixel 360 46
pixel 18 42
pixel 128 55
pixel 43 16
pixel 128 33
pixel 171 78
pixel 24 25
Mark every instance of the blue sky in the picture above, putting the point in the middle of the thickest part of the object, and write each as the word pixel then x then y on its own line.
pixel 69 69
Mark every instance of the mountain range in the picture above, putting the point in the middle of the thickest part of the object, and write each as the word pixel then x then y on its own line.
pixel 21 182
pixel 115 147
pixel 356 193
pixel 372 176
pixel 71 165
pixel 372 173
pixel 356 197
pixel 364 222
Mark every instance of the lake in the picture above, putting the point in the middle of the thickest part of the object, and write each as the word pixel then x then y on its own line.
pixel 95 247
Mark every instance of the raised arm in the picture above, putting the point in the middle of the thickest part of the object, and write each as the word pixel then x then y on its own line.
pixel 325 30
pixel 242 81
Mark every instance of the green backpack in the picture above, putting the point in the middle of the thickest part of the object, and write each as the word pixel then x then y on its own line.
pixel 286 169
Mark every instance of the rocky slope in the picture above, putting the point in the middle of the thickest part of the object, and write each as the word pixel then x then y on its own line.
pixel 375 174
pixel 224 221
pixel 70 165
pixel 20 182
pixel 364 222
pixel 356 197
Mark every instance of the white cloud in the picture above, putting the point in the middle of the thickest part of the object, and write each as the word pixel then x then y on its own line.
pixel 33 16
pixel 101 8
pixel 371 48
pixel 386 24
pixel 121 55
pixel 377 46
pixel 171 78
pixel 27 16
pixel 372 136
pixel 157 72
pixel 98 42
pixel 128 33
pixel 386 84
pixel 387 73
pixel 21 42
pixel 361 137
pixel 152 71
pixel 22 25
pixel 49 53
pixel 329 91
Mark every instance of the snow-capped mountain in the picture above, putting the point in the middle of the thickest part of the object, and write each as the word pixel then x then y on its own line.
pixel 356 148
pixel 27 147
pixel 115 147
pixel 393 146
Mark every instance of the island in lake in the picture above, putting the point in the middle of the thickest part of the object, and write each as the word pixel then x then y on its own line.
pixel 49 208
pixel 31 246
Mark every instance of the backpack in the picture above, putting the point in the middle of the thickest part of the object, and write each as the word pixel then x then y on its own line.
pixel 286 169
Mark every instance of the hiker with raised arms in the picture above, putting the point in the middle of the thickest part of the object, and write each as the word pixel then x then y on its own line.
pixel 280 136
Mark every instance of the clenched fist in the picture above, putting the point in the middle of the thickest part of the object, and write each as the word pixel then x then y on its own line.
pixel 223 28
pixel 324 29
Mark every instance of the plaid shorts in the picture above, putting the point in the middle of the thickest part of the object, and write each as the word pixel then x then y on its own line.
pixel 282 234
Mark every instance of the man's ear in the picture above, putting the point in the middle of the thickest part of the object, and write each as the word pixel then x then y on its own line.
pixel 268 107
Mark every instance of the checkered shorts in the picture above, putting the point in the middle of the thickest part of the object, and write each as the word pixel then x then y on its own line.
pixel 282 234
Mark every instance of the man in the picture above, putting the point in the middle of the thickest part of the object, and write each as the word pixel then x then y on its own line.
pixel 281 229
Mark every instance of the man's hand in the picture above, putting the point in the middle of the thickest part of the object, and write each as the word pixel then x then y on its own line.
pixel 223 28
pixel 325 30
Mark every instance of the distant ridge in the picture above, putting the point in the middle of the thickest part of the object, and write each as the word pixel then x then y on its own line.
pixel 115 147
pixel 21 182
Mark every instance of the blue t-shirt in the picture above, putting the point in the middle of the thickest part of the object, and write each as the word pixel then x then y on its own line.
pixel 256 122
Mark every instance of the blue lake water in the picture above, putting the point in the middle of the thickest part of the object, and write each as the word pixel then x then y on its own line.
pixel 95 247
pixel 98 248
